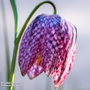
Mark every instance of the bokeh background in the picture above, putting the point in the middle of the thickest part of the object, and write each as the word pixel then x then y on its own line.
pixel 74 11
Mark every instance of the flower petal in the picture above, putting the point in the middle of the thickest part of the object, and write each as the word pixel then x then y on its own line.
pixel 56 38
pixel 60 74
pixel 35 70
pixel 50 42
pixel 30 47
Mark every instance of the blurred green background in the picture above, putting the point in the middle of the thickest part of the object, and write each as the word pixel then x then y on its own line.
pixel 74 11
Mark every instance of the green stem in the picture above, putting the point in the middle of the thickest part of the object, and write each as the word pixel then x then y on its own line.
pixel 11 79
pixel 13 4
pixel 12 70
pixel 17 39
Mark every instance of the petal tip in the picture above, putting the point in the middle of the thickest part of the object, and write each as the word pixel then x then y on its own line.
pixel 55 88
pixel 48 75
pixel 30 78
pixel 23 74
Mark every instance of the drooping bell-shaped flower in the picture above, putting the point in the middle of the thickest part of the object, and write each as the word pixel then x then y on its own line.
pixel 48 45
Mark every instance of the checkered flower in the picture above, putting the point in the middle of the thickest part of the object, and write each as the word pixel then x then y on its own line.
pixel 48 45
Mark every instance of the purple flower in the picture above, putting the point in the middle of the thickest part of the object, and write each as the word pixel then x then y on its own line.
pixel 48 45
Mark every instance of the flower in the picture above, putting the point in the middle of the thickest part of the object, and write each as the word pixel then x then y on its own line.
pixel 48 45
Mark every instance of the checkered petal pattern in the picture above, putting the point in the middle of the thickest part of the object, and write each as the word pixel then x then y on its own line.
pixel 34 70
pixel 31 44
pixel 54 40
pixel 62 70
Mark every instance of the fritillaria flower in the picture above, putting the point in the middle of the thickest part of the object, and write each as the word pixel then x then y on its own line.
pixel 48 45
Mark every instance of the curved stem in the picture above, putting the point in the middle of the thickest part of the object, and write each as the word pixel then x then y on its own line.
pixel 31 14
pixel 11 78
pixel 17 39
pixel 15 16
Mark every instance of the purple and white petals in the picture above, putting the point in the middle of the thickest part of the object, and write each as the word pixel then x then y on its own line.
pixel 54 40
pixel 35 70
pixel 30 47
pixel 62 71
pixel 50 44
